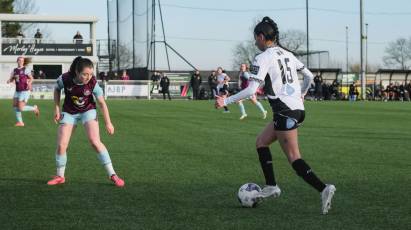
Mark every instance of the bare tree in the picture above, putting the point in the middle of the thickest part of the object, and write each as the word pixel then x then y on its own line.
pixel 398 54
pixel 126 57
pixel 294 40
pixel 244 52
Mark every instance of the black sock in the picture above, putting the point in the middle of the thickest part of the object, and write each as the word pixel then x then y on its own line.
pixel 304 171
pixel 266 162
pixel 225 108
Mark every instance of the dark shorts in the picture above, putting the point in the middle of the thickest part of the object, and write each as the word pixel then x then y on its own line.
pixel 288 120
pixel 224 90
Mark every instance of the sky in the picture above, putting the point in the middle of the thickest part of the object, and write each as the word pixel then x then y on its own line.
pixel 206 32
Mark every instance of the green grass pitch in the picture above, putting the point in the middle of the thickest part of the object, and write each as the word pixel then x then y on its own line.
pixel 183 162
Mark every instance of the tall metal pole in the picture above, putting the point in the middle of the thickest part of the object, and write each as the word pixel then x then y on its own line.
pixel 308 39
pixel 366 48
pixel 110 67
pixel 346 47
pixel 362 51
pixel 118 33
pixel 164 34
pixel 148 36
pixel 154 35
pixel 134 51
pixel 346 55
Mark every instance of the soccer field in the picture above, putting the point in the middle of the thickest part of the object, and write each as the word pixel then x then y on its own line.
pixel 183 162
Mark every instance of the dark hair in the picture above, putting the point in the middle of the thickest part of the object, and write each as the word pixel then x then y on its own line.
pixel 79 64
pixel 268 28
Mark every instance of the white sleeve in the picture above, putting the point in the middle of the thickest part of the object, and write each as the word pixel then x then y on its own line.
pixel 259 68
pixel 59 84
pixel 298 64
pixel 247 92
pixel 27 71
pixel 308 80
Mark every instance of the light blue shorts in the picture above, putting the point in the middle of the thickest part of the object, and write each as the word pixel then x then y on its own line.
pixel 22 95
pixel 73 119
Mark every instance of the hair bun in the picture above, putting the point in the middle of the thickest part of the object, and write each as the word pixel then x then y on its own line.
pixel 268 20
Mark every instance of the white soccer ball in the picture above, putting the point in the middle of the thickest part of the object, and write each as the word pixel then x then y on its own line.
pixel 247 195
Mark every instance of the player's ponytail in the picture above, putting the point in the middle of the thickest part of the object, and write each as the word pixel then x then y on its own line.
pixel 268 28
pixel 79 64
pixel 270 31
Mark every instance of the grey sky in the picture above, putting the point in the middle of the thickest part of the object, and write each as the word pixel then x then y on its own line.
pixel 206 31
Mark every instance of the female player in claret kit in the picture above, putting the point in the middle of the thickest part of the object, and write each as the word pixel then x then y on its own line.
pixel 79 86
pixel 278 67
pixel 243 83
pixel 23 79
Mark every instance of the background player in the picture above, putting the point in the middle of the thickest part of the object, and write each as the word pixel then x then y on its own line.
pixel 222 85
pixel 23 79
pixel 243 77
pixel 278 67
pixel 79 86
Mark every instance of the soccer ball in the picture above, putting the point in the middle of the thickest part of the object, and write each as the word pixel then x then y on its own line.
pixel 247 195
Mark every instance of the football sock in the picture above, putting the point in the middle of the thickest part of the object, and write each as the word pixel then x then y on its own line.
pixel 105 160
pixel 61 161
pixel 260 106
pixel 225 108
pixel 266 162
pixel 28 108
pixel 242 109
pixel 19 118
pixel 304 171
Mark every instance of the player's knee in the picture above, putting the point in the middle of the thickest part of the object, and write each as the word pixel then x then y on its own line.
pixel 261 142
pixel 95 143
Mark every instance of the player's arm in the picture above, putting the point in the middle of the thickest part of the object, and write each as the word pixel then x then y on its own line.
pixel 258 71
pixel 11 79
pixel 98 93
pixel 56 96
pixel 307 81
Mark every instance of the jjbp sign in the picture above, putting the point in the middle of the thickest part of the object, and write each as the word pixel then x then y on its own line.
pixel 33 49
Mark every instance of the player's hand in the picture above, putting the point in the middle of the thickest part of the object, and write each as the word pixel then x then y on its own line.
pixel 219 101
pixel 57 117
pixel 110 128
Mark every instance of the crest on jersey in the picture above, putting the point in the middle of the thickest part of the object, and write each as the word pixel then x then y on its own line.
pixel 87 92
pixel 254 69
pixel 78 101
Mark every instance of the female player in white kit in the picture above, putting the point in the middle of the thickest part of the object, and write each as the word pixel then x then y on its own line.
pixel 277 68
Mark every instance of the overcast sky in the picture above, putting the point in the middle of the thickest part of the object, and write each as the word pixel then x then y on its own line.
pixel 222 24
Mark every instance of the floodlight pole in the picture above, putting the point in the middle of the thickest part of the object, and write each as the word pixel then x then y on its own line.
pixel 152 51
pixel 363 38
pixel 308 39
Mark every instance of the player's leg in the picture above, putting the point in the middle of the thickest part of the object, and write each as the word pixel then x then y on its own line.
pixel 287 135
pixel 25 95
pixel 254 100
pixel 17 112
pixel 64 132
pixel 93 134
pixel 264 140
pixel 242 109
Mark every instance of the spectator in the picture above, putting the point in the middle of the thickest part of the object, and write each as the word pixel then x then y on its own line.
pixel 78 39
pixel 165 84
pixel 318 81
pixel 20 36
pixel 42 75
pixel 38 36
pixel 401 92
pixel 334 89
pixel 125 76
pixel 407 92
pixel 195 84
pixel 390 91
pixel 212 83
pixel 352 92
pixel 155 78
